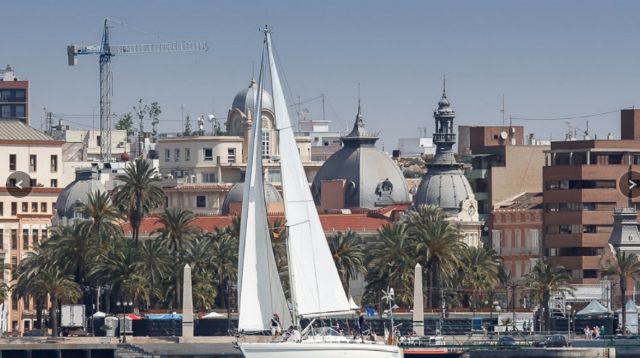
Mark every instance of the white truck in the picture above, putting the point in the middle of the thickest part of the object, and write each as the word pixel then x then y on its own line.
pixel 72 317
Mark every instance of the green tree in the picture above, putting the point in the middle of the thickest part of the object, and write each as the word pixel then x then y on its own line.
pixel 139 193
pixel 177 231
pixel 348 255
pixel 60 287
pixel 137 288
pixel 480 270
pixel 154 264
pixel 26 280
pixel 187 127
pixel 543 280
pixel 437 246
pixel 625 267
pixel 204 291
pixel 102 218
pixel 154 112
pixel 141 110
pixel 125 123
pixel 71 250
pixel 118 262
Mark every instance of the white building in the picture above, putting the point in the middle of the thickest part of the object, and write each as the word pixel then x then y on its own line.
pixel 415 147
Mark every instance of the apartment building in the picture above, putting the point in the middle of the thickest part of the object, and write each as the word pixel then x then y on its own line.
pixel 24 221
pixel 582 187
pixel 14 96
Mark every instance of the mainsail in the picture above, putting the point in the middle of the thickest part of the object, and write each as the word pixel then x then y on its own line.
pixel 259 288
pixel 315 285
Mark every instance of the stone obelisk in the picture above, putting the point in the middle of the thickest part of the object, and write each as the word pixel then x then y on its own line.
pixel 418 302
pixel 187 304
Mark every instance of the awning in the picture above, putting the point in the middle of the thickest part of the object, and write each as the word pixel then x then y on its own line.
pixel 213 315
pixel 594 308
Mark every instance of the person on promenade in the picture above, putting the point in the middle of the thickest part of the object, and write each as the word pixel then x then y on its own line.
pixel 275 325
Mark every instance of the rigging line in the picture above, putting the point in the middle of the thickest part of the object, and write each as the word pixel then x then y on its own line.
pixel 305 101
pixel 570 117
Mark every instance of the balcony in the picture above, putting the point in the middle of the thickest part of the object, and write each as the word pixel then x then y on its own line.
pixel 444 137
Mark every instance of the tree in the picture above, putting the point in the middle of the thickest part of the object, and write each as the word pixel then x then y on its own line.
pixel 176 232
pixel 626 267
pixel 187 127
pixel 101 217
pixel 61 288
pixel 125 123
pixel 480 270
pixel 138 289
pixel 154 264
pixel 141 111
pixel 204 290
pixel 71 250
pixel 117 262
pixel 139 193
pixel 348 255
pixel 26 280
pixel 545 279
pixel 153 112
pixel 437 246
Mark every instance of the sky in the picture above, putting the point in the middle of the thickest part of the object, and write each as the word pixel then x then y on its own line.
pixel 549 59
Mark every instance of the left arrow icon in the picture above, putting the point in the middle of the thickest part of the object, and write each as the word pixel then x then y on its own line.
pixel 19 185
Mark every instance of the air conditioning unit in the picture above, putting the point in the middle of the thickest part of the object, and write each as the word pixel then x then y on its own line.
pixel 275 158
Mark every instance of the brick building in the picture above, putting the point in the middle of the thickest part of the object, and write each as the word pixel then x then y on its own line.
pixel 14 96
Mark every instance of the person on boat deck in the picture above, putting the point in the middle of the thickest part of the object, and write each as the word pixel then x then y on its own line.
pixel 275 325
pixel 361 324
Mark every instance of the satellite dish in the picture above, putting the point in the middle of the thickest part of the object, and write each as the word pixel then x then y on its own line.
pixel 211 117
pixel 504 135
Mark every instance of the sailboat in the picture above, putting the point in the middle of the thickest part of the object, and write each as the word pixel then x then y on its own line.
pixel 315 286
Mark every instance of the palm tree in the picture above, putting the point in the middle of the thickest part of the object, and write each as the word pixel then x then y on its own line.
pixel 60 288
pixel 102 217
pixel 626 267
pixel 545 279
pixel 71 250
pixel 204 291
pixel 176 232
pixel 348 254
pixel 437 246
pixel 26 280
pixel 138 288
pixel 139 193
pixel 154 264
pixel 112 267
pixel 480 269
pixel 390 261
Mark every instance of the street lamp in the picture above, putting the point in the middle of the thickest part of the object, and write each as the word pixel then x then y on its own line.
pixel 123 307
pixel 498 309
pixel 568 310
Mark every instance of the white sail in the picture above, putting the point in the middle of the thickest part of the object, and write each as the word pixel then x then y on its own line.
pixel 259 288
pixel 315 285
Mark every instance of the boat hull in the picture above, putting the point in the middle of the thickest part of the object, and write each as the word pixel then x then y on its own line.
pixel 319 350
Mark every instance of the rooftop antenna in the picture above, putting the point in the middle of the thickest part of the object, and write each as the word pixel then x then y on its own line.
pixel 502 110
pixel 323 117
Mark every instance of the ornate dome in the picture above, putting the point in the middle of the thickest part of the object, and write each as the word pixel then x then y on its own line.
pixel 232 203
pixel 245 100
pixel 372 178
pixel 445 187
pixel 76 193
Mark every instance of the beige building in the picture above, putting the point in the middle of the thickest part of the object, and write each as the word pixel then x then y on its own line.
pixel 88 142
pixel 199 171
pixel 24 221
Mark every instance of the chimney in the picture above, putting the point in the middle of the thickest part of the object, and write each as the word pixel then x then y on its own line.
pixel 630 124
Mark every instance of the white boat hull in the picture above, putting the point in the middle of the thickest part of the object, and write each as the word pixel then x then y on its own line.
pixel 319 350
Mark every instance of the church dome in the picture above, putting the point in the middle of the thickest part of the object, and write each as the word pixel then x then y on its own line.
pixel 371 178
pixel 245 100
pixel 77 193
pixel 445 187
pixel 232 203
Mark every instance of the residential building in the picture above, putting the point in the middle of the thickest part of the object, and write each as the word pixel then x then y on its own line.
pixel 14 96
pixel 584 181
pixel 516 234
pixel 324 142
pixel 199 171
pixel 415 147
pixel 87 142
pixel 24 221
pixel 502 166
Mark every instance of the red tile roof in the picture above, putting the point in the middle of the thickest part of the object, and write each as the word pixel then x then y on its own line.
pixel 330 223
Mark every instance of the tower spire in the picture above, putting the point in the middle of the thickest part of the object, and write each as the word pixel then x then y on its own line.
pixel 444 85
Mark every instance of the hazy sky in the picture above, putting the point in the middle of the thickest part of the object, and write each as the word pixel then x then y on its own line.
pixel 548 58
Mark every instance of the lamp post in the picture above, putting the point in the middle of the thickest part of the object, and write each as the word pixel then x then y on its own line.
pixel 498 309
pixel 123 307
pixel 568 310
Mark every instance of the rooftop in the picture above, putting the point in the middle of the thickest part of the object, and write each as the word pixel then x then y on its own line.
pixel 522 201
pixel 15 130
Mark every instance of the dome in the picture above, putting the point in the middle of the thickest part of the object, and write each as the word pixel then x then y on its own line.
pixel 245 99
pixel 76 193
pixel 372 179
pixel 445 187
pixel 232 203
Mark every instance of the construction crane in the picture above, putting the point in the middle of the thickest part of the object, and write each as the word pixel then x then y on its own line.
pixel 105 51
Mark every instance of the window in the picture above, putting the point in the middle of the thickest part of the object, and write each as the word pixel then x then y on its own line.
pixel 5 111
pixel 20 93
pixel 14 208
pixel 25 207
pixel 615 158
pixel 20 111
pixel 44 234
pixel 54 183
pixel 1 208
pixel 208 153
pixel 14 239
pixel 495 240
pixel 43 207
pixel 208 177
pixel 266 144
pixel 201 201
pixel 231 155
pixel 167 155
pixel 34 236
pixel 27 306
pixel 33 182
pixel 33 163
pixel 25 239
pixel 177 152
pixel 187 154
pixel 34 207
pixel 98 141
pixel 54 163
pixel 1 239
pixel 12 162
